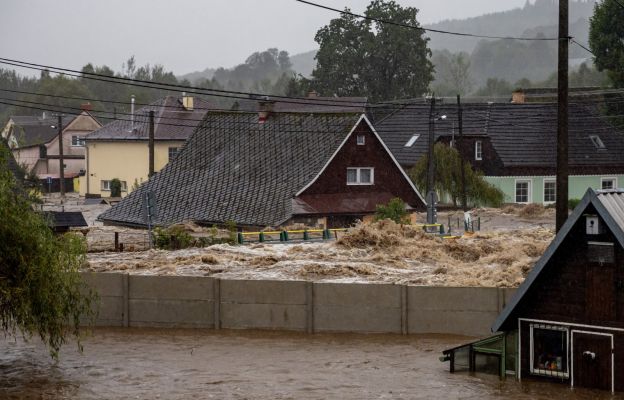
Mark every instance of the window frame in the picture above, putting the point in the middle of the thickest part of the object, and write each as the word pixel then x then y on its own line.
pixel 545 372
pixel 597 142
pixel 358 176
pixel 105 185
pixel 360 140
pixel 606 179
pixel 79 139
pixel 478 150
pixel 529 190
pixel 554 181
pixel 177 150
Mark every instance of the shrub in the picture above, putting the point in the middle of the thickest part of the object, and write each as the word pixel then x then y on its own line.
pixel 394 210
pixel 572 203
pixel 172 238
pixel 115 187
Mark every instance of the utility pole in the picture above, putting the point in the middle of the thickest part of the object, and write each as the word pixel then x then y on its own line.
pixel 61 160
pixel 460 148
pixel 151 144
pixel 562 117
pixel 431 196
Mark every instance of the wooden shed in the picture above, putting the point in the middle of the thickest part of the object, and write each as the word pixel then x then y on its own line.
pixel 566 320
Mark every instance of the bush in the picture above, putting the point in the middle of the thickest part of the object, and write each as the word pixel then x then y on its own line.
pixel 172 238
pixel 572 203
pixel 115 187
pixel 394 210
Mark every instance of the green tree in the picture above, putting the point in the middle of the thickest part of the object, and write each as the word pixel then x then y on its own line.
pixel 360 57
pixel 496 87
pixel 394 210
pixel 41 291
pixel 606 39
pixel 452 73
pixel 115 187
pixel 447 161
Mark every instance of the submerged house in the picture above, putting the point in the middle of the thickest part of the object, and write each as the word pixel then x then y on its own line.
pixel 270 169
pixel 514 145
pixel 565 323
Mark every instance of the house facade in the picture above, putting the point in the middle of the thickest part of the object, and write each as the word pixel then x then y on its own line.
pixel 120 148
pixel 514 146
pixel 35 143
pixel 567 317
pixel 273 169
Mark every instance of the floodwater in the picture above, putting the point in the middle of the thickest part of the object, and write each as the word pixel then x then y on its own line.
pixel 202 364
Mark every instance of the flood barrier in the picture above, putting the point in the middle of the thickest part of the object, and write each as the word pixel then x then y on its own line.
pixel 206 302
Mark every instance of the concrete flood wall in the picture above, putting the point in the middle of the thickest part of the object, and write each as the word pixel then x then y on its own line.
pixel 205 302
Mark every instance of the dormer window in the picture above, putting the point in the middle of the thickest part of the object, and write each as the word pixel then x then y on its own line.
pixel 412 140
pixel 597 142
pixel 478 150
pixel 361 140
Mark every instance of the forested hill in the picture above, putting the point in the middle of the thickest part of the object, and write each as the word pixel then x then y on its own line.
pixel 516 22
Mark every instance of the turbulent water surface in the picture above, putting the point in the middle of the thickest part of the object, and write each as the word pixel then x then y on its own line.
pixel 181 364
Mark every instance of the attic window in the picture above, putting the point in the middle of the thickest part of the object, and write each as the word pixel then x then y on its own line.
pixel 597 142
pixel 361 140
pixel 412 140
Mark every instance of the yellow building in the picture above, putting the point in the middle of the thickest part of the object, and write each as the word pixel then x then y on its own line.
pixel 120 148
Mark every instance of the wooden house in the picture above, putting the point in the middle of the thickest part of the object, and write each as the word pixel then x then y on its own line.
pixel 565 323
pixel 274 168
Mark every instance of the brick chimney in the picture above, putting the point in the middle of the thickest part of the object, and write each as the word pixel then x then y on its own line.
pixel 518 97
pixel 312 93
pixel 86 107
pixel 265 108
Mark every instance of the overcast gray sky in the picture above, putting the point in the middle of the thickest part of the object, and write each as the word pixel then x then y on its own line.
pixel 184 36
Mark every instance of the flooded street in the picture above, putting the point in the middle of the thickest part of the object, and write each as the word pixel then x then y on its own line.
pixel 182 364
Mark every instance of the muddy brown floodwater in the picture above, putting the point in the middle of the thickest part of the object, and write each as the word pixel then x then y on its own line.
pixel 198 364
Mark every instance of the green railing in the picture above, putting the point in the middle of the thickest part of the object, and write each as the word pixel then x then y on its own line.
pixel 287 236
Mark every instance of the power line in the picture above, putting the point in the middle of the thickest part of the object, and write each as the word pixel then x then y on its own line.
pixel 383 21
pixel 583 47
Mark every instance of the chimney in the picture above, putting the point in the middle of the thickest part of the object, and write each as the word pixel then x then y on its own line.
pixel 265 108
pixel 312 93
pixel 132 112
pixel 86 107
pixel 187 102
pixel 518 97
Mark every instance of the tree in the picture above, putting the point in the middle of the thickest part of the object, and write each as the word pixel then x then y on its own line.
pixel 447 162
pixel 394 210
pixel 41 291
pixel 606 39
pixel 361 57
pixel 115 187
pixel 495 87
pixel 452 73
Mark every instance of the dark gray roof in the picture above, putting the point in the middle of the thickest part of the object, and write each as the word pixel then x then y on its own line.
pixel 171 121
pixel 610 206
pixel 523 135
pixel 35 130
pixel 233 168
pixel 12 164
pixel 65 219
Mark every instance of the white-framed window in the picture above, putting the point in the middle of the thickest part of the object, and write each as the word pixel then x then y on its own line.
pixel 550 347
pixel 608 183
pixel 173 152
pixel 105 185
pixel 478 150
pixel 361 140
pixel 550 191
pixel 523 191
pixel 412 140
pixel 77 141
pixel 360 176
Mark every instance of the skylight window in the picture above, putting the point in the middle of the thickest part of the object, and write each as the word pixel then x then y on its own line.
pixel 412 140
pixel 597 142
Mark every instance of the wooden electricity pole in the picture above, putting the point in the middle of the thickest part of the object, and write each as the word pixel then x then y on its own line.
pixel 431 196
pixel 61 159
pixel 459 149
pixel 562 117
pixel 151 144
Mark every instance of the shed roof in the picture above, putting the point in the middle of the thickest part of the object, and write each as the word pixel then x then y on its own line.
pixel 171 121
pixel 66 219
pixel 610 206
pixel 233 168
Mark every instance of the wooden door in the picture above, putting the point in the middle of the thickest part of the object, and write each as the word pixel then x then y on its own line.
pixel 592 361
pixel 600 292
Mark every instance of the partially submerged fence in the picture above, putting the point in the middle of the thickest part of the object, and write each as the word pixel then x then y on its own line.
pixel 206 302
